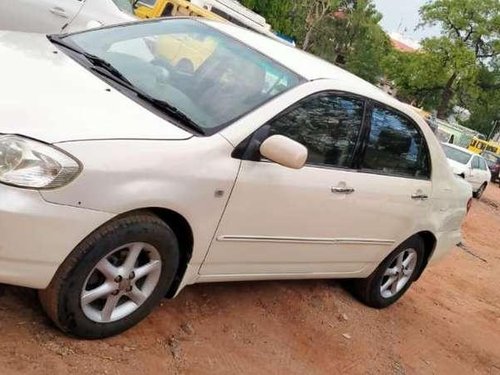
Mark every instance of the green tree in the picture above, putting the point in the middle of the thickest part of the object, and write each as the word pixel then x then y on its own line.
pixel 423 76
pixel 472 28
pixel 296 18
pixel 285 16
pixel 345 32
pixel 316 12
pixel 484 104
pixel 367 53
pixel 359 42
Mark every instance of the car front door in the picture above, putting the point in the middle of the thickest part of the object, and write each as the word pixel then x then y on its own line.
pixel 40 16
pixel 327 218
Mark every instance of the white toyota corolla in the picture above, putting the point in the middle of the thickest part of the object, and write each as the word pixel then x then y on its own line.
pixel 125 176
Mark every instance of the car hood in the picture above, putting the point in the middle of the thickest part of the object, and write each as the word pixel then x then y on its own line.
pixel 456 167
pixel 46 95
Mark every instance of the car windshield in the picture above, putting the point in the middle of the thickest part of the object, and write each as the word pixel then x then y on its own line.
pixel 124 6
pixel 205 75
pixel 457 155
pixel 491 158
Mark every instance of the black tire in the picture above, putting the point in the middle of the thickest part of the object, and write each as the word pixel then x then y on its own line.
pixel 368 290
pixel 61 300
pixel 479 193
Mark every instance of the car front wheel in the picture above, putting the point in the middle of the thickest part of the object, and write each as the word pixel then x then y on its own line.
pixel 114 278
pixel 393 276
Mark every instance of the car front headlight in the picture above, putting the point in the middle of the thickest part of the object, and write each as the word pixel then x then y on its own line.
pixel 31 164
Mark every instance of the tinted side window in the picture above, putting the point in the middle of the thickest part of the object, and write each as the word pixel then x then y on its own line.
pixel 327 124
pixel 475 163
pixel 395 146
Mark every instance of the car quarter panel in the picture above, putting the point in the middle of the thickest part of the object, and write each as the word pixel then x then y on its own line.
pixel 193 178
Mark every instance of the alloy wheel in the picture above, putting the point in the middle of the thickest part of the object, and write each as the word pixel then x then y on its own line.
pixel 121 282
pixel 399 273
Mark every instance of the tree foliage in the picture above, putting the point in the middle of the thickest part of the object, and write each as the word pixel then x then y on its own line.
pixel 472 28
pixel 485 101
pixel 421 77
pixel 346 32
pixel 475 23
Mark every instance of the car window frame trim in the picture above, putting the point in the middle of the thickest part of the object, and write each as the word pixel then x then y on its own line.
pixel 361 142
pixel 366 140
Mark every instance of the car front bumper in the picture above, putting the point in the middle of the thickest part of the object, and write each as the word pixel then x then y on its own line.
pixel 37 236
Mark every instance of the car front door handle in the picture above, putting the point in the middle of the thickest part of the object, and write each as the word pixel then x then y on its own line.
pixel 58 11
pixel 342 190
pixel 419 196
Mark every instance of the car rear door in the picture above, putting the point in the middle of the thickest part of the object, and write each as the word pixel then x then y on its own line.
pixel 476 175
pixel 40 16
pixel 485 171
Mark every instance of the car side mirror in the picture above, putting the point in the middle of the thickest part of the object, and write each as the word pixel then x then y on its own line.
pixel 284 151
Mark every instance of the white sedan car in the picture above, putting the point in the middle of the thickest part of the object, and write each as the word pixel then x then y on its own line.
pixel 124 178
pixel 55 16
pixel 470 166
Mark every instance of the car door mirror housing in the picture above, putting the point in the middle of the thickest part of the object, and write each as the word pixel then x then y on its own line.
pixel 284 151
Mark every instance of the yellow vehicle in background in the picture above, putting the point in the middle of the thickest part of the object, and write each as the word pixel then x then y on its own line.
pixel 167 8
pixel 479 145
pixel 186 55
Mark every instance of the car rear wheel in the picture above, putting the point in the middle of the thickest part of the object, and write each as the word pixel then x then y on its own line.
pixel 393 276
pixel 479 193
pixel 114 278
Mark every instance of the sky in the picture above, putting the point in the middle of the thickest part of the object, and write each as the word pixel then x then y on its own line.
pixel 401 18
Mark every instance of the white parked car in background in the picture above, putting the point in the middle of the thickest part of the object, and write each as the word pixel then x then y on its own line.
pixel 123 179
pixel 56 16
pixel 470 166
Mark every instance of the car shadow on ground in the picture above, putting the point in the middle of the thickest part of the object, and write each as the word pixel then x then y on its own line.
pixel 20 305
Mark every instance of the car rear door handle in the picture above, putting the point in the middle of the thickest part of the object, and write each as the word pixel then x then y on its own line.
pixel 342 190
pixel 419 196
pixel 58 11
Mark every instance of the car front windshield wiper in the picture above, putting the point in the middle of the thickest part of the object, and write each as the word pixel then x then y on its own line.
pixel 103 67
pixel 96 61
pixel 171 110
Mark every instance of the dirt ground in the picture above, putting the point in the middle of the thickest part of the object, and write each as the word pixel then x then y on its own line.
pixel 448 323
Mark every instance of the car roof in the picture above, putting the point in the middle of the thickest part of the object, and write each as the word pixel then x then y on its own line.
pixel 304 64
